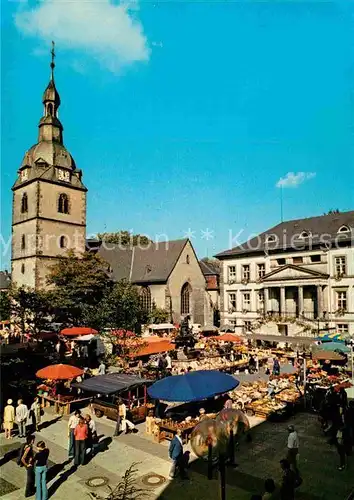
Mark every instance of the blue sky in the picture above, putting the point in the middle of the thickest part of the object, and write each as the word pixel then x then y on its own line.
pixel 185 115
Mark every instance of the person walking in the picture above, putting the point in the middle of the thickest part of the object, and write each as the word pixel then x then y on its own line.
pixel 126 424
pixel 81 435
pixel 276 367
pixel 36 414
pixel 9 419
pixel 287 489
pixel 102 368
pixel 168 361
pixel 340 445
pixel 293 448
pixel 92 435
pixel 27 461
pixel 40 470
pixel 73 422
pixel 21 418
pixel 176 455
pixel 117 430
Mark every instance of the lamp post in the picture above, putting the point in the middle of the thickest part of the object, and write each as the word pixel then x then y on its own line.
pixel 213 440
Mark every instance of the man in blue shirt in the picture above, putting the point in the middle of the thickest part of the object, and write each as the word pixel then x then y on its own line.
pixel 176 455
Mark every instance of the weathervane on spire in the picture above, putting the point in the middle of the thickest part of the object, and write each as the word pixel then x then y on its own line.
pixel 52 64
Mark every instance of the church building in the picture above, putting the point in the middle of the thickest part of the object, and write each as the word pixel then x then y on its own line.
pixel 49 200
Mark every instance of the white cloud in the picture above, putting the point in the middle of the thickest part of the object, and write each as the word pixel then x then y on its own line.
pixel 293 180
pixel 108 32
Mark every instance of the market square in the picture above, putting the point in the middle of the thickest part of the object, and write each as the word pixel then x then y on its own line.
pixel 177 251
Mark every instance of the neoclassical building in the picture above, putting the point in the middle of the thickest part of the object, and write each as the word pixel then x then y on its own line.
pixel 49 200
pixel 167 273
pixel 300 273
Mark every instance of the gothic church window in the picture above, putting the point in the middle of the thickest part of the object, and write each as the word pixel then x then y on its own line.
pixel 22 268
pixel 24 203
pixel 63 203
pixel 145 299
pixel 185 299
pixel 50 109
pixel 23 242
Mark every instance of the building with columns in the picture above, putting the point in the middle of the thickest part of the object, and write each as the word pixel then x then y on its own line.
pixel 294 279
pixel 49 200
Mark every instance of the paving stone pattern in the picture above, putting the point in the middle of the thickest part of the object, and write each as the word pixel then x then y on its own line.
pixel 257 461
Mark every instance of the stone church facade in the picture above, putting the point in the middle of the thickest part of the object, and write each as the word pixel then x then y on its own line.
pixel 49 201
pixel 168 274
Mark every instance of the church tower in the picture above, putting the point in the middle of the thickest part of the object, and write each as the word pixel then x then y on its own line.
pixel 49 200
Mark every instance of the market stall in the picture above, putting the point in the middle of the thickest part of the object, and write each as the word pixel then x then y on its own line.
pixel 105 390
pixel 267 399
pixel 191 387
pixel 54 392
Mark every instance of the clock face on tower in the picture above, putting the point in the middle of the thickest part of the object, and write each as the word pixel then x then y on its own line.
pixel 63 175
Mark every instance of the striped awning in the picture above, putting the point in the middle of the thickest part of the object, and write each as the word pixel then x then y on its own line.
pixel 330 337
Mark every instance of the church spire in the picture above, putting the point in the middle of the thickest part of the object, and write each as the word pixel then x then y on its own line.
pixel 50 128
pixel 52 64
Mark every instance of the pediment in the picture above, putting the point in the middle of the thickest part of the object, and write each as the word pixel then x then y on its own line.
pixel 291 272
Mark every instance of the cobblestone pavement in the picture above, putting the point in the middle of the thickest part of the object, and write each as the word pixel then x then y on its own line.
pixel 256 461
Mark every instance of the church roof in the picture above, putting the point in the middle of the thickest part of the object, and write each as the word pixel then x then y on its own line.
pixel 51 93
pixel 42 159
pixel 152 264
pixel 209 268
pixel 52 153
pixel 299 234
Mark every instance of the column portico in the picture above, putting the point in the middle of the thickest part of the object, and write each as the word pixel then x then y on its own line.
pixel 319 301
pixel 266 300
pixel 282 300
pixel 301 300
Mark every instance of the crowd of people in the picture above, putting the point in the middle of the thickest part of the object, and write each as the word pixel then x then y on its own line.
pixel 337 422
pixel 26 419
pixel 35 459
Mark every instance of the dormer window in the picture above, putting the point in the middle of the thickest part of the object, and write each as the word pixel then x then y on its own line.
pixel 24 174
pixel 41 163
pixel 343 229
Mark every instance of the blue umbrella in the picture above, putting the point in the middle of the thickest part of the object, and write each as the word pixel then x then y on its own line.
pixel 193 386
pixel 334 346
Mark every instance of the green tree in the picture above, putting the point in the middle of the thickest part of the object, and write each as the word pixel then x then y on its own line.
pixel 120 307
pixel 332 212
pixel 78 285
pixel 121 310
pixel 125 239
pixel 31 309
pixel 5 306
pixel 158 315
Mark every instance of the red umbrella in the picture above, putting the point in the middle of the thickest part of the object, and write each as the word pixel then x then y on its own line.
pixel 59 372
pixel 76 331
pixel 227 337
